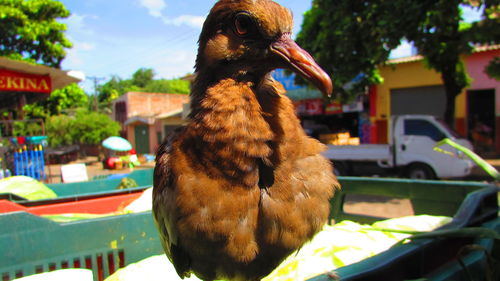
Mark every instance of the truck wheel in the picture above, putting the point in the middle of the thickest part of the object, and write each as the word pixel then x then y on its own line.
pixel 420 171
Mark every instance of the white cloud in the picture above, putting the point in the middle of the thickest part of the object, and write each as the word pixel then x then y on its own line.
pixel 78 33
pixel 72 59
pixel 189 20
pixel 74 55
pixel 76 24
pixel 84 46
pixel 174 64
pixel 75 21
pixel 154 6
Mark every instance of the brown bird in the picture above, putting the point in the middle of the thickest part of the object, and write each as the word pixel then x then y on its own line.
pixel 241 186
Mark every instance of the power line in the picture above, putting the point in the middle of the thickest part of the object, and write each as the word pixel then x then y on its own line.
pixel 96 82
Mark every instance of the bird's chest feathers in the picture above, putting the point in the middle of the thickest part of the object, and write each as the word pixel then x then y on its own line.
pixel 232 131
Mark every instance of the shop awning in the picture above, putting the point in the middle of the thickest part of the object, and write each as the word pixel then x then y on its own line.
pixel 32 81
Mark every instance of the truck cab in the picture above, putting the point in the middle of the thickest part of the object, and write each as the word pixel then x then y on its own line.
pixel 410 152
pixel 413 140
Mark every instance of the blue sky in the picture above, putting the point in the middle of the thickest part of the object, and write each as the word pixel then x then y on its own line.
pixel 117 37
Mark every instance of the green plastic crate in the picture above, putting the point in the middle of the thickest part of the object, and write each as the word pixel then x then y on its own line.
pixel 142 177
pixel 429 197
pixel 470 204
pixel 32 244
pixel 68 192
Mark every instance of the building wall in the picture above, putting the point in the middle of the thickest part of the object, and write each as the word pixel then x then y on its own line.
pixel 149 104
pixel 403 75
pixel 131 135
pixel 396 76
pixel 476 64
pixel 480 80
pixel 153 142
pixel 154 130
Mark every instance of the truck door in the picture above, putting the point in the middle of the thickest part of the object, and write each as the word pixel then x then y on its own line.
pixel 414 143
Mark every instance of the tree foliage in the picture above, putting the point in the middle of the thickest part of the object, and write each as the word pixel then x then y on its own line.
pixel 142 77
pixel 351 38
pixel 493 68
pixel 58 130
pixel 59 101
pixel 142 81
pixel 176 86
pixel 29 30
pixel 26 129
pixel 114 88
pixel 84 127
pixel 442 37
pixel 91 127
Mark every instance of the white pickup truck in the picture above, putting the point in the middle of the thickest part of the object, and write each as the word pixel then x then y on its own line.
pixel 410 152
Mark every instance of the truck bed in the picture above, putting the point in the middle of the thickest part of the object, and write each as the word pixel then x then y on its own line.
pixel 363 152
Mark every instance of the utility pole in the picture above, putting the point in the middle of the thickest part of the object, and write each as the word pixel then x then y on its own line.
pixel 96 82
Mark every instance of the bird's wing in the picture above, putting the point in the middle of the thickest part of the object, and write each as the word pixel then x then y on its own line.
pixel 164 210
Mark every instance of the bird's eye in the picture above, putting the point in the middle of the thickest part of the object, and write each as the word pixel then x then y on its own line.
pixel 242 24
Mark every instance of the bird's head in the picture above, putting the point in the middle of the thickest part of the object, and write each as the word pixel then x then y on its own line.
pixel 251 38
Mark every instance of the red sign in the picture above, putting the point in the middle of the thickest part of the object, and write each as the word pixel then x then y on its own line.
pixel 309 107
pixel 23 82
pixel 333 108
pixel 314 107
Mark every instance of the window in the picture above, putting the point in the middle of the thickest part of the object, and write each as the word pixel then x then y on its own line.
pixel 423 128
pixel 121 112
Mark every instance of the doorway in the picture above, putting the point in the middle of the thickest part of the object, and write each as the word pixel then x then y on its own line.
pixel 481 120
pixel 142 139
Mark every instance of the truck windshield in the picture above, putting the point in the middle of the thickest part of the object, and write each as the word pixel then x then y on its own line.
pixel 416 127
pixel 450 130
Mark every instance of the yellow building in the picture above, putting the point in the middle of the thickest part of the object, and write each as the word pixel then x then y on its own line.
pixel 410 87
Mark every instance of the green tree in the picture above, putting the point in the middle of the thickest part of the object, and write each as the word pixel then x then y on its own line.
pixel 142 77
pixel 91 127
pixel 114 88
pixel 58 129
pixel 351 38
pixel 493 68
pixel 59 101
pixel 110 90
pixel 174 86
pixel 442 37
pixel 29 30
pixel 84 127
pixel 26 129
pixel 141 81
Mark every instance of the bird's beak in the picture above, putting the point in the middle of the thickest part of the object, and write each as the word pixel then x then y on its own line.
pixel 302 62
